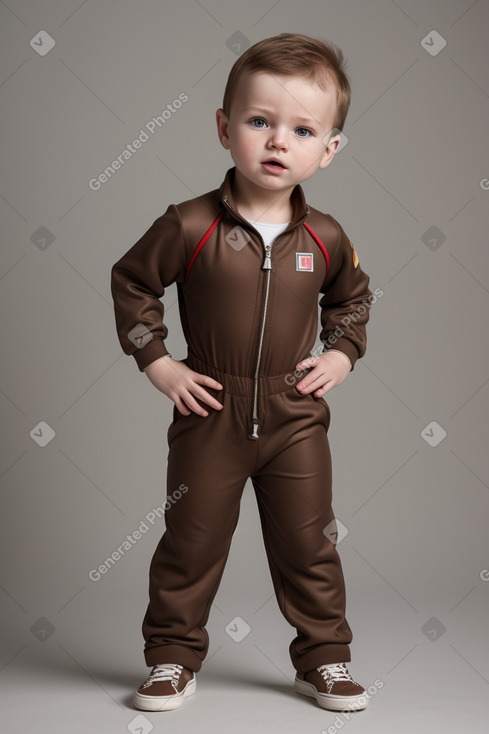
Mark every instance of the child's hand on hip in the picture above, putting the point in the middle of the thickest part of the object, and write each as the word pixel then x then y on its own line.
pixel 329 370
pixel 182 385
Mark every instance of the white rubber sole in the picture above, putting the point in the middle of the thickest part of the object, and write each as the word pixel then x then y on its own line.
pixel 327 701
pixel 164 703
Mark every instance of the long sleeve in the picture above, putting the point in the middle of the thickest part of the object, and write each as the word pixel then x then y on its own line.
pixel 138 281
pixel 346 301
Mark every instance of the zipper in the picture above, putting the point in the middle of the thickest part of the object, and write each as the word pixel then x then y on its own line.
pixel 267 265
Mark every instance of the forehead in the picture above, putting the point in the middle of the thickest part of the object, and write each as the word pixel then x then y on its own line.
pixel 293 96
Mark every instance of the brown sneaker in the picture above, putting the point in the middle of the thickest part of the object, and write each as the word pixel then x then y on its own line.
pixel 333 688
pixel 165 688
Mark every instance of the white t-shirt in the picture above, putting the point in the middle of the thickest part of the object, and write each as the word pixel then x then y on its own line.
pixel 268 231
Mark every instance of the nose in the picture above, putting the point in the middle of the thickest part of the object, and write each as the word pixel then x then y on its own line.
pixel 278 137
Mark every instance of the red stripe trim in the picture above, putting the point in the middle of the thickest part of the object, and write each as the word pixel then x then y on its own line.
pixel 202 243
pixel 319 244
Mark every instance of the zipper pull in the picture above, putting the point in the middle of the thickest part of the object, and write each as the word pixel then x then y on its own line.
pixel 255 431
pixel 267 264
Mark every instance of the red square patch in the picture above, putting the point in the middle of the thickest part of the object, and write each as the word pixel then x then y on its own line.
pixel 304 261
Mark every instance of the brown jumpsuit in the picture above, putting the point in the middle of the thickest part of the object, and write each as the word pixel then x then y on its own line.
pixel 248 316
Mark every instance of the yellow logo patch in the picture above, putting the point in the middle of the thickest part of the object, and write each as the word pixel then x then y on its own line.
pixel 355 256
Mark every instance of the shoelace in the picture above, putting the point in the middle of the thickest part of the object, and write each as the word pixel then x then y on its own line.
pixel 332 673
pixel 165 671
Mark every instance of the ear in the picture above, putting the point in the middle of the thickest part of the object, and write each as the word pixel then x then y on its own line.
pixel 223 128
pixel 332 141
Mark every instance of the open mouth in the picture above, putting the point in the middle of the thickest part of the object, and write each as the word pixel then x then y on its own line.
pixel 274 163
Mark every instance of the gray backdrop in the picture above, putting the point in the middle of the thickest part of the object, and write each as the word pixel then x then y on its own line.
pixel 84 432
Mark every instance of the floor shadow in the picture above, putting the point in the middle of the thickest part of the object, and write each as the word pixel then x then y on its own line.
pixel 67 668
pixel 246 679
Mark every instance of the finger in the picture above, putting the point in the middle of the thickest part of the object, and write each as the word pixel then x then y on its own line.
pixel 326 388
pixel 312 380
pixel 306 363
pixel 207 398
pixel 194 406
pixel 207 380
pixel 181 407
pixel 202 394
pixel 322 385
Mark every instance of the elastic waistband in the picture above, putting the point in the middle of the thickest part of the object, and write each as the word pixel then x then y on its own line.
pixel 238 385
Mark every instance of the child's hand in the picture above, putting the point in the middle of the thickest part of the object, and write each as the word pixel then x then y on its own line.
pixel 330 369
pixel 182 385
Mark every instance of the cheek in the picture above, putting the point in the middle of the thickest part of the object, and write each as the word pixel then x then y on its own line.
pixel 313 153
pixel 245 144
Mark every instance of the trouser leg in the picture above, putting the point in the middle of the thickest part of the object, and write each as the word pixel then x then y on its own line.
pixel 189 560
pixel 294 491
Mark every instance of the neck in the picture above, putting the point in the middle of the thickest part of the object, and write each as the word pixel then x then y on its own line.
pixel 259 204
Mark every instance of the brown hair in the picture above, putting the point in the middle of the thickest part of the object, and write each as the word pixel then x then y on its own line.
pixel 294 53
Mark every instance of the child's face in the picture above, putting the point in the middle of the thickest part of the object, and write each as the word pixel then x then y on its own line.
pixel 281 117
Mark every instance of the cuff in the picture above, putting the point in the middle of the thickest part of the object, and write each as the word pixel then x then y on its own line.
pixel 151 351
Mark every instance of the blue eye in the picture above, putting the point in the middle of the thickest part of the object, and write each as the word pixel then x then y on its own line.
pixel 304 129
pixel 258 119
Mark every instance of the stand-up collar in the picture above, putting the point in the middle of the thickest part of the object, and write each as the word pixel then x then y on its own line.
pixel 300 208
